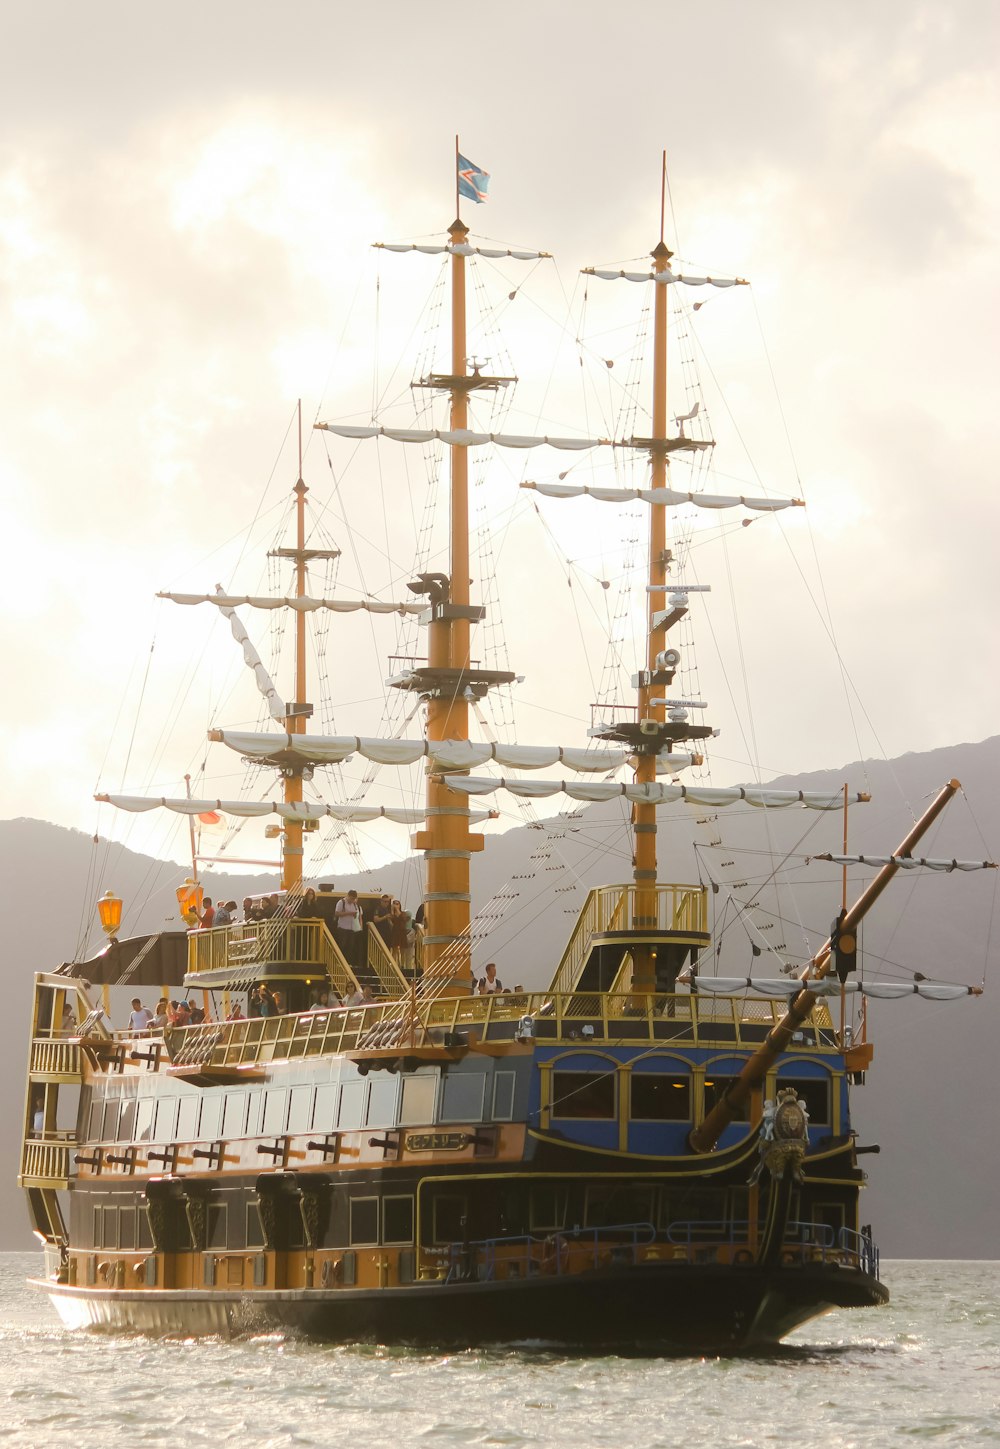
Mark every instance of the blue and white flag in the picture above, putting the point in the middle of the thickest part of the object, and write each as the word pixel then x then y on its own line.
pixel 473 184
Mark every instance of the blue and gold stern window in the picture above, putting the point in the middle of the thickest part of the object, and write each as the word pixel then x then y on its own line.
pixel 588 1095
pixel 660 1098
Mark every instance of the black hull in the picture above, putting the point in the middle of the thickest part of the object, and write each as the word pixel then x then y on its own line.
pixel 668 1309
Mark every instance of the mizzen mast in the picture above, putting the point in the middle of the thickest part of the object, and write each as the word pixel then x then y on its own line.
pixel 297 711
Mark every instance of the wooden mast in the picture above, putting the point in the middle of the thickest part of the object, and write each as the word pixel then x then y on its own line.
pixel 297 710
pixel 644 910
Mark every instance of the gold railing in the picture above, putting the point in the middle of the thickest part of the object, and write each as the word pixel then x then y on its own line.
pixel 249 950
pixel 680 908
pixel 54 1057
pixel 46 1163
pixel 382 965
pixel 604 1018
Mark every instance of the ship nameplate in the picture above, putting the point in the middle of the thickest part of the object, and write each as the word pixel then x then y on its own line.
pixel 436 1141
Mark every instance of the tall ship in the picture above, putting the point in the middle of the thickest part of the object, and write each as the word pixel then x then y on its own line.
pixel 373 1136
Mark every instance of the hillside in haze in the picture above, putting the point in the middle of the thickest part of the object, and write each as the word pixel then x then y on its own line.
pixel 935 1188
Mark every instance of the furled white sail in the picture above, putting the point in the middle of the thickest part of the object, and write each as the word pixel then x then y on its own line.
pixel 671 497
pixel 275 704
pixel 462 249
pixel 255 809
pixel 460 438
pixel 652 794
pixel 302 606
pixel 443 754
pixel 782 989
pixel 666 278
pixel 909 862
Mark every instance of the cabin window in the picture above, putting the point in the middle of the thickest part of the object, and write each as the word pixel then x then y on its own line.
pixel 589 1095
pixel 815 1092
pixel 234 1115
pixel 657 1097
pixel 463 1096
pixel 255 1232
pixel 352 1105
pixel 109 1131
pixel 96 1127
pixel 450 1218
pixel 715 1089
pixel 610 1206
pixel 144 1119
pixel 126 1228
pixel 253 1113
pixel 382 1102
pixel 417 1106
pixel 126 1121
pixel 397 1220
pixel 300 1109
pixel 109 1227
pixel 187 1119
pixel 218 1225
pixel 547 1208
pixel 211 1119
pixel 144 1237
pixel 325 1110
pixel 166 1117
pixel 364 1221
pixel 503 1096
pixel 275 1112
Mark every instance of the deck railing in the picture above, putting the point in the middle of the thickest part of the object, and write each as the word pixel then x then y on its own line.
pixel 606 1018
pixel 255 950
pixel 679 908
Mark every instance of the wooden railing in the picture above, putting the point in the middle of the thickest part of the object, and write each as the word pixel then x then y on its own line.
pixel 679 908
pixel 563 1017
pixel 248 951
pixel 54 1057
pixel 46 1163
pixel 382 965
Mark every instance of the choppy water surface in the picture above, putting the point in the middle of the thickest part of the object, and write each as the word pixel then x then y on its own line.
pixel 926 1368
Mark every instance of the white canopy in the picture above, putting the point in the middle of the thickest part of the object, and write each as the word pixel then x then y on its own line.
pixel 443 754
pixel 651 794
pixel 254 809
pixel 909 862
pixel 671 497
pixel 302 606
pixel 665 278
pixel 275 704
pixel 460 438
pixel 780 988
pixel 463 249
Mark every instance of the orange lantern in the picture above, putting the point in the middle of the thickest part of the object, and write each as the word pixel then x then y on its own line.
pixel 189 899
pixel 109 911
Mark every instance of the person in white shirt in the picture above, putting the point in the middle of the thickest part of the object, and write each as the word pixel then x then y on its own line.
pixel 140 1016
pixel 490 983
pixel 350 924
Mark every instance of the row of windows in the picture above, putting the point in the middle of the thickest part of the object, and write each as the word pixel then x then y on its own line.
pixel 656 1097
pixel 370 1221
pixel 385 1101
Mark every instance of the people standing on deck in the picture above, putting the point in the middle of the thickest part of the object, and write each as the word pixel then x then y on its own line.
pixel 490 984
pixel 223 915
pixel 140 1016
pixel 307 905
pixel 382 919
pixel 249 911
pixel 207 918
pixel 160 1020
pixel 401 937
pixel 350 928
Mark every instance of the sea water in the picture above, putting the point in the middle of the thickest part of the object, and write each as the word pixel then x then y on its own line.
pixel 927 1368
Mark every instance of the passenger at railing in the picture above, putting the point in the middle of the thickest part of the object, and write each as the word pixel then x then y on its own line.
pixel 265 1001
pixel 140 1016
pixel 267 908
pixel 362 997
pixel 236 1013
pixel 350 928
pixel 196 1013
pixel 68 1019
pixel 382 919
pixel 249 911
pixel 38 1116
pixel 279 1003
pixel 306 908
pixel 326 905
pixel 401 937
pixel 490 984
pixel 179 1014
pixel 207 918
pixel 223 913
pixel 161 1018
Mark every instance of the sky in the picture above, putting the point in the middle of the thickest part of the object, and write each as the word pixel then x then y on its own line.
pixel 187 197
